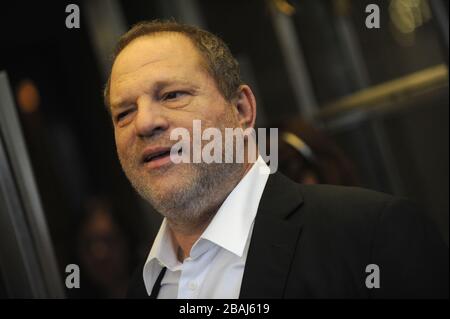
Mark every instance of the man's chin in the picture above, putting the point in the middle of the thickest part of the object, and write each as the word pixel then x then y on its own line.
pixel 170 180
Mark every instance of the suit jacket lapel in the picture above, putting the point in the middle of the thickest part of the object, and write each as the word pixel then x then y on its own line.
pixel 273 240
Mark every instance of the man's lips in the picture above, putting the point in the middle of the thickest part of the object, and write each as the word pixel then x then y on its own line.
pixel 154 157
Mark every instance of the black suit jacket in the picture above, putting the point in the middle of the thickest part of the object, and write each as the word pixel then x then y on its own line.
pixel 315 241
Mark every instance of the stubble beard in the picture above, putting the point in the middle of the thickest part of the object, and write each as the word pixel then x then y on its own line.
pixel 195 196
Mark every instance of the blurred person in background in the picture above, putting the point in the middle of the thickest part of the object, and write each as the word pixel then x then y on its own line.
pixel 103 248
pixel 308 155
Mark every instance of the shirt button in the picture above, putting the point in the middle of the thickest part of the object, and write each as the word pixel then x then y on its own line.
pixel 192 285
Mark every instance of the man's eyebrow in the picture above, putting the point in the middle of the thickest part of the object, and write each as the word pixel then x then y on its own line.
pixel 118 104
pixel 160 84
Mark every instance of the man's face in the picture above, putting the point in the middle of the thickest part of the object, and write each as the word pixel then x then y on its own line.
pixel 159 83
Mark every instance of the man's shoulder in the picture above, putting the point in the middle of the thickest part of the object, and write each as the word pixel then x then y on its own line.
pixel 284 197
pixel 344 205
pixel 336 198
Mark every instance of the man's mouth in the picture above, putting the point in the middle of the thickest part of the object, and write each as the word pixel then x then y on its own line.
pixel 156 157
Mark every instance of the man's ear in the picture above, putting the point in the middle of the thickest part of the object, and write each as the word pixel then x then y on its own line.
pixel 246 107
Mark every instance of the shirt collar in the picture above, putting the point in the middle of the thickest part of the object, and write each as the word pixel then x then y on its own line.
pixel 163 248
pixel 161 255
pixel 230 227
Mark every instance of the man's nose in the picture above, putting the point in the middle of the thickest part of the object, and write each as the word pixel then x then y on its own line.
pixel 150 120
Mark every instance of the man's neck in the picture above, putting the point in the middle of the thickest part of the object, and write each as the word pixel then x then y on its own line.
pixel 184 236
pixel 184 240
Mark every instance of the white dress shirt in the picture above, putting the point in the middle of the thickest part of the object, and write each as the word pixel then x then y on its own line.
pixel 215 266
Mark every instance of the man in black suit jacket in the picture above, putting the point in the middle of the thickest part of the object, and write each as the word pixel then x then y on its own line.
pixel 315 241
pixel 294 241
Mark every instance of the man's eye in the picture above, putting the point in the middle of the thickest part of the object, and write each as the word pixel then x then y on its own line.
pixel 173 95
pixel 121 115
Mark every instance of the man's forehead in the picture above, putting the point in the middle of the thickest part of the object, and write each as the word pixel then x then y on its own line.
pixel 145 50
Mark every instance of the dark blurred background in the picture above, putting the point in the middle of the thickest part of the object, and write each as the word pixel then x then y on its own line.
pixel 377 97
